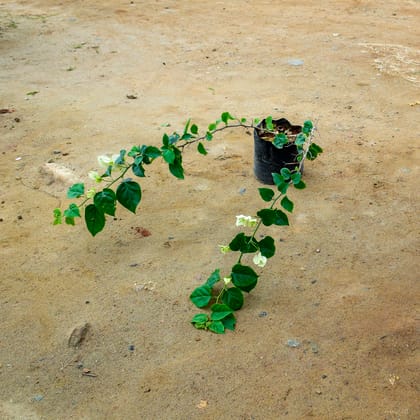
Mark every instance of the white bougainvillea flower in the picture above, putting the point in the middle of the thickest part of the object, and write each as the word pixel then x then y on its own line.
pixel 247 221
pixel 259 260
pixel 90 193
pixel 227 280
pixel 105 161
pixel 224 249
pixel 95 176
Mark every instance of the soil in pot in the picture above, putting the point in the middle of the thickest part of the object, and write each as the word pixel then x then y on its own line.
pixel 269 159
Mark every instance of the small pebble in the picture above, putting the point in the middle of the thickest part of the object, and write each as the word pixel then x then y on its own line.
pixel 263 314
pixel 293 343
pixel 242 191
pixel 38 398
pixel 131 347
pixel 295 62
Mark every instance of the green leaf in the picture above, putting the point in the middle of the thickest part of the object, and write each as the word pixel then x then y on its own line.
pixel 307 127
pixel 120 158
pixel 94 218
pixel 287 204
pixel 200 318
pixel 187 125
pixel 107 172
pixel 243 120
pixel 267 247
pixel 165 140
pixel 209 136
pixel 266 194
pixel 57 217
pixel 226 117
pixel 169 155
pixel 296 177
pixel 186 136
pixel 70 221
pixel 280 140
pixel 201 149
pixel 244 277
pixel 194 129
pixel 138 170
pixel 283 187
pixel 173 138
pixel 300 185
pixel 233 298
pixel 201 296
pixel 313 151
pixel 212 126
pixel 269 123
pixel 300 139
pixel 220 311
pixel 152 152
pixel 176 168
pixel 72 211
pixel 214 278
pixel 135 150
pixel 273 217
pixel 200 321
pixel 277 178
pixel 76 190
pixel 229 322
pixel 129 194
pixel 106 200
pixel 285 173
pixel 243 243
pixel 217 327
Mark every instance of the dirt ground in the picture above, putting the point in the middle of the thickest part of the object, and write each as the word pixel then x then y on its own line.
pixel 344 282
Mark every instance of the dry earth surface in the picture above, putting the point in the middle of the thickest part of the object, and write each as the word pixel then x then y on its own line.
pixel 344 283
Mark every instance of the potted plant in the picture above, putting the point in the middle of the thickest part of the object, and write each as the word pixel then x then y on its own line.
pixel 278 144
pixel 223 294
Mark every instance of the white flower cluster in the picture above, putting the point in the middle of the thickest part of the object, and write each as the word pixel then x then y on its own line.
pixel 105 161
pixel 247 221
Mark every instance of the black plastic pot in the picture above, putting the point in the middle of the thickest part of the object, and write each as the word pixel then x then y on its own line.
pixel 269 159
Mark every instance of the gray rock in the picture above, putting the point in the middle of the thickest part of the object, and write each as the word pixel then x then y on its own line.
pixel 78 335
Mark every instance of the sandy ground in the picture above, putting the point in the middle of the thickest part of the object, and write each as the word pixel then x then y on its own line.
pixel 345 280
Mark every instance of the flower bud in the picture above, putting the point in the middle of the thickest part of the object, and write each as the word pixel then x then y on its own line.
pixel 90 193
pixel 95 176
pixel 224 249
pixel 227 280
